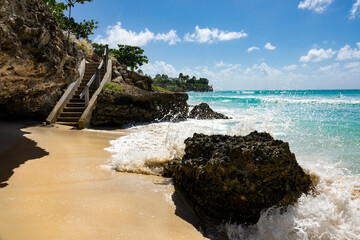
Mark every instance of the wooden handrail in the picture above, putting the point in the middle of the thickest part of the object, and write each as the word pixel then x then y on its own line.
pixel 96 76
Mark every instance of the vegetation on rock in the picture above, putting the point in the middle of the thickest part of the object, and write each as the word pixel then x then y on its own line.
pixel 79 29
pixel 158 89
pixel 183 83
pixel 113 87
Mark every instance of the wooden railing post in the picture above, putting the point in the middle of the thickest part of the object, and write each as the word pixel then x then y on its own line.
pixel 106 57
pixel 98 77
pixel 87 96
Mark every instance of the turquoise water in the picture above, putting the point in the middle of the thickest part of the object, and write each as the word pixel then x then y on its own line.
pixel 316 123
pixel 323 130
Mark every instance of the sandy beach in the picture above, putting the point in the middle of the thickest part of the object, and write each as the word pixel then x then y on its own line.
pixel 55 184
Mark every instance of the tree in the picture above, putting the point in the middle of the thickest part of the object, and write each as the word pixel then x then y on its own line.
pixel 131 56
pixel 99 49
pixel 191 81
pixel 82 29
pixel 204 81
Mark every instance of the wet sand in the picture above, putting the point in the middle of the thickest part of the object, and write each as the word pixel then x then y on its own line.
pixel 61 189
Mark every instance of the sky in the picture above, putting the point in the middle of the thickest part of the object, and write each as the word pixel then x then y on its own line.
pixel 238 44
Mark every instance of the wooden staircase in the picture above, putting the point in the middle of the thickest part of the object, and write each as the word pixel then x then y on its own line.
pixel 76 105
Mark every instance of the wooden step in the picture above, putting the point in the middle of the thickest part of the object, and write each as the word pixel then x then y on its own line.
pixel 78 92
pixel 92 86
pixel 71 114
pixel 76 104
pixel 68 119
pixel 77 100
pixel 74 109
pixel 75 124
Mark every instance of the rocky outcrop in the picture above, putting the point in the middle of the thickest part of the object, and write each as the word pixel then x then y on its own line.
pixel 203 111
pixel 131 77
pixel 36 61
pixel 121 104
pixel 233 178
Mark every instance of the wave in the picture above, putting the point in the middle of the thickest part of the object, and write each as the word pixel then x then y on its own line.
pixel 332 212
pixel 282 100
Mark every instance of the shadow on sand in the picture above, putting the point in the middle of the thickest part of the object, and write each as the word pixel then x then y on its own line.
pixel 188 214
pixel 15 149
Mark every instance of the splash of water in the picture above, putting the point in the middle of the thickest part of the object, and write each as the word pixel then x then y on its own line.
pixel 322 133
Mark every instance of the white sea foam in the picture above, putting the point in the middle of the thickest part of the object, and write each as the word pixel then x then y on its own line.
pixel 147 147
pixel 333 212
pixel 289 99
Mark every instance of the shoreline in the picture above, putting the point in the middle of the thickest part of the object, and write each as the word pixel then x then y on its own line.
pixel 64 192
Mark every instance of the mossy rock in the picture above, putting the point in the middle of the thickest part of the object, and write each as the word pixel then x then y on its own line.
pixel 113 87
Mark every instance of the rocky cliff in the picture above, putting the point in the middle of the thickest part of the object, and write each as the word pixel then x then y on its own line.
pixel 130 99
pixel 36 61
pixel 126 104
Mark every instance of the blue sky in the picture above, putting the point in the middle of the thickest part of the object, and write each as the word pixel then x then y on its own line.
pixel 239 44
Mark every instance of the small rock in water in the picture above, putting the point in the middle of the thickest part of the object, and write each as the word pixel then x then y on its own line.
pixel 203 111
pixel 233 178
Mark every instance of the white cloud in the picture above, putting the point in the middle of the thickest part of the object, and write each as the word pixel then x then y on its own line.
pixel 206 35
pixel 318 6
pixel 263 69
pixel 348 53
pixel 352 65
pixel 268 46
pixel 171 37
pixel 253 49
pixel 355 10
pixel 328 67
pixel 222 64
pixel 119 35
pixel 290 67
pixel 159 67
pixel 317 55
pixel 264 76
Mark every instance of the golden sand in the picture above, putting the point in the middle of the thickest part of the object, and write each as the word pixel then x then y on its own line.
pixel 65 192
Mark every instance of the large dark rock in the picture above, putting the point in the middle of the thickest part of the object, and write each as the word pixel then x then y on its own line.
pixel 233 178
pixel 203 111
pixel 130 104
pixel 36 61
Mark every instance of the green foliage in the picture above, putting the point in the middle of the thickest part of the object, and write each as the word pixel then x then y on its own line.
pixel 99 49
pixel 113 87
pixel 131 56
pixel 84 28
pixel 79 29
pixel 159 89
pixel 182 83
pixel 57 9
pixel 71 3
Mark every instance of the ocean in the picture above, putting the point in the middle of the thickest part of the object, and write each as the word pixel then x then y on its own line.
pixel 323 130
